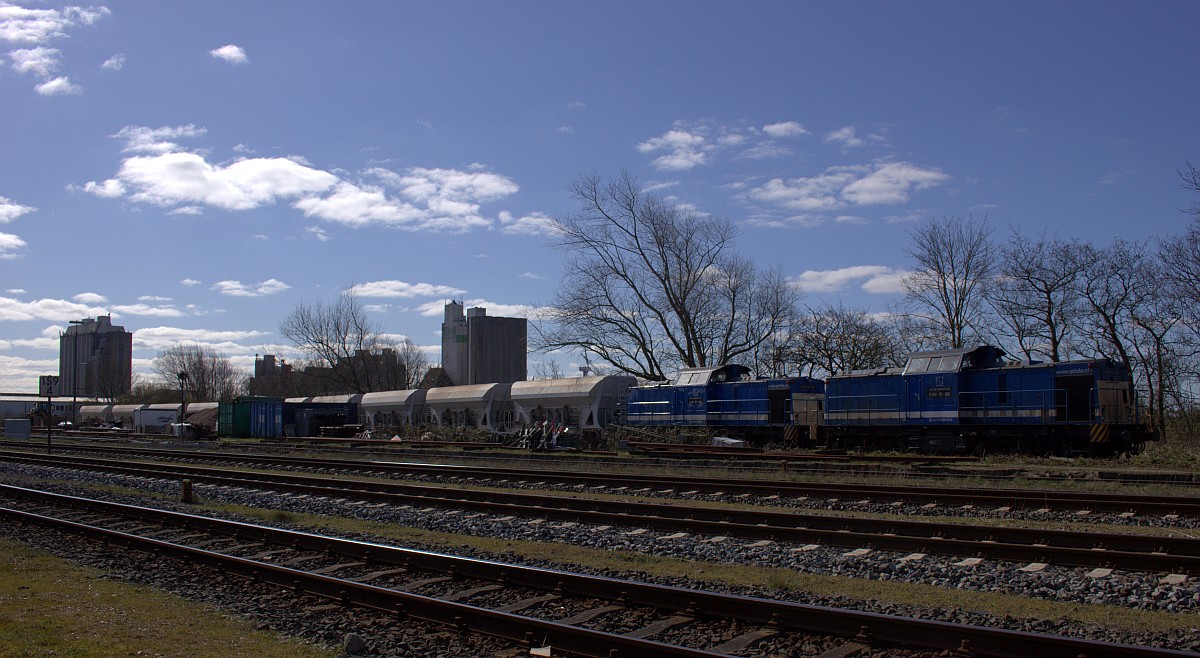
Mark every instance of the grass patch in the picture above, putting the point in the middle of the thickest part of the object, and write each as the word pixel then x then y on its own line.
pixel 568 557
pixel 49 606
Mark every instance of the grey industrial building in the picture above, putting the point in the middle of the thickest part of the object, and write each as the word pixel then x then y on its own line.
pixel 482 349
pixel 95 359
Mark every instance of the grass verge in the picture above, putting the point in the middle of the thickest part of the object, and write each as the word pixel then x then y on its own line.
pixel 51 607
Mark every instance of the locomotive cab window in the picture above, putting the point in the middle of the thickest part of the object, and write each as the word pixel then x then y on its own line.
pixel 917 364
pixel 947 364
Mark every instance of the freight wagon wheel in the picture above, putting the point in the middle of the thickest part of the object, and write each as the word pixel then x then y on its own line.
pixel 980 449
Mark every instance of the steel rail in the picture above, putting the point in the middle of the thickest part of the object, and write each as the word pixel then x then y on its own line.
pixel 878 628
pixel 1084 549
pixel 950 496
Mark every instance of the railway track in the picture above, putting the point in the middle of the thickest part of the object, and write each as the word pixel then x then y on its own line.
pixel 921 467
pixel 1130 552
pixel 1033 499
pixel 581 614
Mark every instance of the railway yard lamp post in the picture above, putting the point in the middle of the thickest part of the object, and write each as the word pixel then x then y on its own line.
pixel 183 379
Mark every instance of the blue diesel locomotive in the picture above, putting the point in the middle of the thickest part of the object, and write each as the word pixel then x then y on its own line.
pixel 731 399
pixel 966 401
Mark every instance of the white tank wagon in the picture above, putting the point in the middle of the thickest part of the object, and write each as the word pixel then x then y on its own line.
pixel 482 406
pixel 123 414
pixel 392 408
pixel 582 402
pixel 96 414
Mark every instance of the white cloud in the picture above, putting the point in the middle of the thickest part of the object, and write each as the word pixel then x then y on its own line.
pixel 146 309
pixel 531 275
pixel 40 61
pixel 886 282
pixel 143 139
pixel 185 178
pixel 53 310
pixel 60 86
pixel 360 206
pixel 785 129
pixel 190 282
pixel 39 26
pixel 10 210
pixel 448 186
pixel 165 174
pixel 436 308
pixel 114 63
pixel 766 150
pixel 158 338
pixel 230 53
pixel 90 298
pixel 875 279
pixel 153 298
pixel 316 232
pixel 429 199
pixel 891 184
pixel 846 136
pixel 685 150
pixel 9 246
pixel 395 288
pixel 862 185
pixel 808 194
pixel 532 224
pixel 109 189
pixel 239 289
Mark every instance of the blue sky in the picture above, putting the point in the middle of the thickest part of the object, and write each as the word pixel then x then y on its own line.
pixel 196 169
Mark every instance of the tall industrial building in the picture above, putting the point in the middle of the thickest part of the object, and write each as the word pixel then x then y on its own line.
pixel 95 359
pixel 480 349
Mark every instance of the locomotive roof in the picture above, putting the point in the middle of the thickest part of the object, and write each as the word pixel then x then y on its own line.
pixel 983 356
pixel 730 372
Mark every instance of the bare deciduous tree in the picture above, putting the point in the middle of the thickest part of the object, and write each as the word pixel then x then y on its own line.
pixel 954 262
pixel 211 377
pixel 651 285
pixel 1034 294
pixel 1191 181
pixel 413 362
pixel 1110 283
pixel 339 337
pixel 1154 318
pixel 833 339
